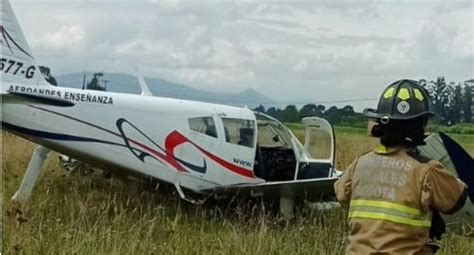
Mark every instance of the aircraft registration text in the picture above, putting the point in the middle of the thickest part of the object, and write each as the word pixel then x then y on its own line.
pixel 15 68
pixel 72 96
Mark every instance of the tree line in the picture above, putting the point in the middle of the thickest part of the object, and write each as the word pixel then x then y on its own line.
pixel 451 102
pixel 341 116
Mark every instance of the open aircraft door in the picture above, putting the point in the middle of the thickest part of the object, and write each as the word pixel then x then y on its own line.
pixel 317 159
pixel 315 175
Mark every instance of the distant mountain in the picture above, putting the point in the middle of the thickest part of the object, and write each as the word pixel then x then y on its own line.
pixel 124 83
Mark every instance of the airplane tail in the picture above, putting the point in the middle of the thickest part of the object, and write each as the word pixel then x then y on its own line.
pixel 17 64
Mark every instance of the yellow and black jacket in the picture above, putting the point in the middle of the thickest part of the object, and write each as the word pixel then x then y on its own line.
pixel 391 194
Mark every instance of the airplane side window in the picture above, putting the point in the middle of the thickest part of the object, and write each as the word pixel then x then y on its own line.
pixel 239 131
pixel 203 125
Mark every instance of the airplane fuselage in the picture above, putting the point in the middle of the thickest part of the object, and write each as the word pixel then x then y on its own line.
pixel 146 135
pixel 199 146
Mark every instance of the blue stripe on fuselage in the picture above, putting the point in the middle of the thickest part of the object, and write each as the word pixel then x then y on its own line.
pixel 49 135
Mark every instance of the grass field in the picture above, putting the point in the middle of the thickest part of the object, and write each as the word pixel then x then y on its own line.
pixel 74 214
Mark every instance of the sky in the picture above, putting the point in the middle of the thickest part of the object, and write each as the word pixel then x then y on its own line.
pixel 291 51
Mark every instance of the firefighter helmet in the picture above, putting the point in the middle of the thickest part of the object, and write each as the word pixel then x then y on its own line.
pixel 402 100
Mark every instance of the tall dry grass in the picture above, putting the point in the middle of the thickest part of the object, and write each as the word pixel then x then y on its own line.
pixel 75 214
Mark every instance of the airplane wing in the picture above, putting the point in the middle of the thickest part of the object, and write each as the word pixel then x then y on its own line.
pixel 453 157
pixel 312 189
pixel 25 98
pixel 462 161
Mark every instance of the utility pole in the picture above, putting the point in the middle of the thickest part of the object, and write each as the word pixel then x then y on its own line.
pixel 105 84
pixel 84 82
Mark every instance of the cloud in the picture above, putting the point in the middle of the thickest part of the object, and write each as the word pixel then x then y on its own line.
pixel 325 50
pixel 66 38
pixel 301 66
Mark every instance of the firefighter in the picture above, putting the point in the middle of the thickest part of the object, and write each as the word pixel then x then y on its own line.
pixel 394 195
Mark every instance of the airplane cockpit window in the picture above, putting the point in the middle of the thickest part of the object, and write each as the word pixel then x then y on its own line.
pixel 204 125
pixel 319 144
pixel 272 133
pixel 239 131
pixel 275 156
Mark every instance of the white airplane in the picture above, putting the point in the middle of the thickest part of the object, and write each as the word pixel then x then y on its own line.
pixel 200 148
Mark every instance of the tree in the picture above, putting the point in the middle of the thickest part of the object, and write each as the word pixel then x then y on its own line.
pixel 348 110
pixel 308 110
pixel 320 110
pixel 467 105
pixel 260 108
pixel 94 84
pixel 289 114
pixel 441 95
pixel 312 110
pixel 46 72
pixel 272 112
pixel 333 115
pixel 456 105
pixel 423 82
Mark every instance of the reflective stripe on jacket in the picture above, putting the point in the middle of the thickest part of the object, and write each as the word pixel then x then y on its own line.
pixel 390 194
pixel 387 211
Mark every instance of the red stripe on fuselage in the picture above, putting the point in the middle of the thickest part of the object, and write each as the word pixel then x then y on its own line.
pixel 168 158
pixel 175 138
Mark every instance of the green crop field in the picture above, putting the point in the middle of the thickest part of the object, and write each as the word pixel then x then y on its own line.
pixel 87 214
